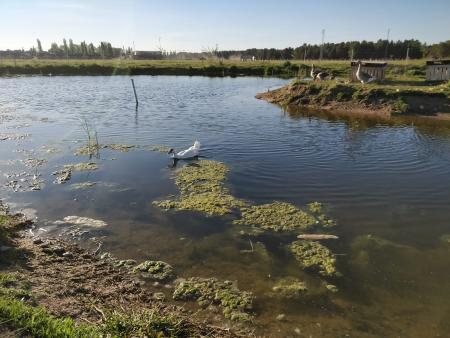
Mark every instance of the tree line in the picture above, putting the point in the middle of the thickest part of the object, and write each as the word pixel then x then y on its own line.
pixel 381 49
pixel 68 50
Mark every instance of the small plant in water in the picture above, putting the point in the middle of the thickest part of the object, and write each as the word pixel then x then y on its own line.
pixel 311 254
pixel 236 304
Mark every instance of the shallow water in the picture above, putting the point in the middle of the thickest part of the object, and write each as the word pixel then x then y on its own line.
pixel 387 179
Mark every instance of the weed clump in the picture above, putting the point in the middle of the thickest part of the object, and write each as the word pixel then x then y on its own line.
pixel 202 189
pixel 315 207
pixel 155 270
pixel 81 166
pixel 236 304
pixel 290 288
pixel 276 216
pixel 311 254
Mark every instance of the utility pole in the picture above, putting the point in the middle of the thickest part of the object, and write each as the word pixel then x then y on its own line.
pixel 407 54
pixel 304 57
pixel 387 43
pixel 321 46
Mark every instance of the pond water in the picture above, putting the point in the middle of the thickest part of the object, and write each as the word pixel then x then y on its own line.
pixel 390 180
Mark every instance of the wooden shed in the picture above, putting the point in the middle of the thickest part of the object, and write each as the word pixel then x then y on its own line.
pixel 438 70
pixel 376 69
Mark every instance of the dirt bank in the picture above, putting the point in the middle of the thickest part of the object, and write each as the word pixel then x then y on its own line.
pixel 370 100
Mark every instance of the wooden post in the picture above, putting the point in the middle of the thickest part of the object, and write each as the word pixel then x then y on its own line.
pixel 134 90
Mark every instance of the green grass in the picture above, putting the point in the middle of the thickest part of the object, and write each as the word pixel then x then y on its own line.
pixel 396 69
pixel 148 323
pixel 38 322
pixel 17 314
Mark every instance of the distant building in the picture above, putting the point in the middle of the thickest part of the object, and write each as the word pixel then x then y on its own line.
pixel 248 58
pixel 438 70
pixel 147 55
pixel 376 69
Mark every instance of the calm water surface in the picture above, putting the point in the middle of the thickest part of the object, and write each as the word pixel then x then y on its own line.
pixel 390 180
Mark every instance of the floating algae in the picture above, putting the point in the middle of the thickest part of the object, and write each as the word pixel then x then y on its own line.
pixel 93 149
pixel 155 270
pixel 202 189
pixel 290 288
pixel 277 216
pixel 312 254
pixel 65 174
pixel 62 176
pixel 158 148
pixel 315 207
pixel 82 185
pixel 84 166
pixel 118 147
pixel 206 291
pixel 34 162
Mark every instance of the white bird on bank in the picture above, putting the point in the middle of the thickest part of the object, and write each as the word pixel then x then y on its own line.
pixel 364 77
pixel 321 76
pixel 191 152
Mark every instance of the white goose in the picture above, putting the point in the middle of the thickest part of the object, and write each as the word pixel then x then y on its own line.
pixel 313 72
pixel 321 76
pixel 191 152
pixel 364 77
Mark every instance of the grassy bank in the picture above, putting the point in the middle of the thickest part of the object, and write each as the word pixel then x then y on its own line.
pixel 411 95
pixel 192 67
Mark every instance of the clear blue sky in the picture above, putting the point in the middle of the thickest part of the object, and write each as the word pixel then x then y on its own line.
pixel 232 24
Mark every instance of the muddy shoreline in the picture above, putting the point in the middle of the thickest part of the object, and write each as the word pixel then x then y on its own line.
pixel 71 282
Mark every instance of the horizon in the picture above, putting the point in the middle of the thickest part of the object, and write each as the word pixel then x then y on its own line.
pixel 251 24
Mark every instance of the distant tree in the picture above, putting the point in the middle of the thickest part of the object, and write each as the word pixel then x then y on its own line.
pixel 109 50
pixel 83 49
pixel 39 46
pixel 55 50
pixel 65 48
pixel 71 48
pixel 91 50
pixel 32 52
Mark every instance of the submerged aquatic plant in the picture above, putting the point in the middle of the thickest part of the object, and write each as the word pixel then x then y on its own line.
pixel 202 189
pixel 236 304
pixel 276 216
pixel 290 288
pixel 315 207
pixel 312 254
pixel 155 270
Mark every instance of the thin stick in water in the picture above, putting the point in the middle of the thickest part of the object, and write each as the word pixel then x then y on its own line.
pixel 134 90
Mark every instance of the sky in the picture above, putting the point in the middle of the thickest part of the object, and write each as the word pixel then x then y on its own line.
pixel 196 25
